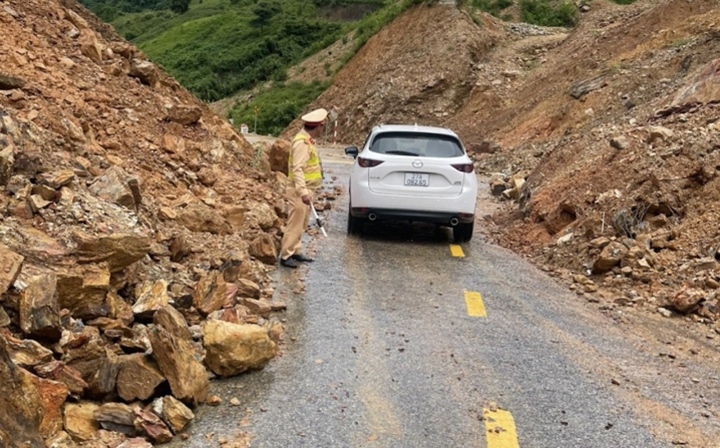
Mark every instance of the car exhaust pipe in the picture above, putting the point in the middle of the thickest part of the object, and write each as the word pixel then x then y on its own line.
pixel 454 222
pixel 372 216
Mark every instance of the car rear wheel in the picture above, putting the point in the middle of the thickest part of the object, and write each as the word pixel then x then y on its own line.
pixel 354 225
pixel 463 232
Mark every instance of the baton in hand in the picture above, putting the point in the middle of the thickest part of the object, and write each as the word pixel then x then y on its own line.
pixel 317 219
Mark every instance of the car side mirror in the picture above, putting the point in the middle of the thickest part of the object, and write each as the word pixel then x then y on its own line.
pixel 352 151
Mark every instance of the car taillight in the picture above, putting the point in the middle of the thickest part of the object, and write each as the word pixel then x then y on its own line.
pixel 368 163
pixel 464 167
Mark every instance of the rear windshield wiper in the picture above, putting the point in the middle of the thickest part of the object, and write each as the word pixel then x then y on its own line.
pixel 402 153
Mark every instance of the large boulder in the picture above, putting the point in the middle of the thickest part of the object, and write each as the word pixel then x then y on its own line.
pixel 278 154
pixel 234 348
pixel 38 308
pixel 117 187
pixel 138 377
pixel 118 250
pixel 199 217
pixel 611 256
pixel 212 292
pixel 83 289
pixel 20 405
pixel 175 357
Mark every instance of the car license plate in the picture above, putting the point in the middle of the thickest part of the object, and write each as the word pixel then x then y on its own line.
pixel 417 180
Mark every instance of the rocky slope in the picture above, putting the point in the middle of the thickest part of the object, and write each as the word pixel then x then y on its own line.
pixel 137 233
pixel 602 139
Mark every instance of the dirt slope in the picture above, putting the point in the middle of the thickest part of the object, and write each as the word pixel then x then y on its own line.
pixel 420 68
pixel 546 110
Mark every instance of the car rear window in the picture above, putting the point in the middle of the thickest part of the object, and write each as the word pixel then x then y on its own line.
pixel 416 144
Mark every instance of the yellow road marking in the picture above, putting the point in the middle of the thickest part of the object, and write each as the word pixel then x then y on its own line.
pixel 475 305
pixel 500 429
pixel 456 251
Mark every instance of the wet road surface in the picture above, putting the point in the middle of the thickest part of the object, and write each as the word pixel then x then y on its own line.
pixel 398 341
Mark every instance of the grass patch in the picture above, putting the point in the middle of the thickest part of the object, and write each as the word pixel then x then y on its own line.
pixel 494 7
pixel 549 13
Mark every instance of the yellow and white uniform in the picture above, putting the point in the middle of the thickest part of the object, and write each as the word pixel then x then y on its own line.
pixel 305 174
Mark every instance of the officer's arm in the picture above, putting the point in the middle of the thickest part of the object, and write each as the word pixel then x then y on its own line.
pixel 300 157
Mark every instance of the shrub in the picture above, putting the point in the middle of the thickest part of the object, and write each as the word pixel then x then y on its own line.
pixel 547 13
pixel 277 106
pixel 493 7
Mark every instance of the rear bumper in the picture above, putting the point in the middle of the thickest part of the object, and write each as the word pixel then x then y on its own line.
pixel 388 214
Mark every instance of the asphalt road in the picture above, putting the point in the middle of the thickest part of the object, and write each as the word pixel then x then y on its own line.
pixel 399 342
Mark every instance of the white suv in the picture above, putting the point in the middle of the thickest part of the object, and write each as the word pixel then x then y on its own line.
pixel 413 173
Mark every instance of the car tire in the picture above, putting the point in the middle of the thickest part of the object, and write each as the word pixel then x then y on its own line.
pixel 463 232
pixel 354 225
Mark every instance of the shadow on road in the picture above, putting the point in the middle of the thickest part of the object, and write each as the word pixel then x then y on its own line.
pixel 398 231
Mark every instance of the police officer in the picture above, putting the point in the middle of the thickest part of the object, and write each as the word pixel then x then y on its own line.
pixel 305 174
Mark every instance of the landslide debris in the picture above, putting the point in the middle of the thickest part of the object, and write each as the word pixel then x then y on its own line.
pixel 601 140
pixel 136 225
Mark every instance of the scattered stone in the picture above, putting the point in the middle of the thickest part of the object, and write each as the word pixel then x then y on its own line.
pixel 145 71
pixel 658 133
pixel 610 257
pixel 173 412
pixel 619 142
pixel 185 114
pixel 10 82
pixel 213 400
pixel 582 88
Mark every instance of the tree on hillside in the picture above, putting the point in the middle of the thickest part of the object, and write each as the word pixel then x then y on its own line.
pixel 264 11
pixel 179 6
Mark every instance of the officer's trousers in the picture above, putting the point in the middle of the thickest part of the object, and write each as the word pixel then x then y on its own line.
pixel 298 213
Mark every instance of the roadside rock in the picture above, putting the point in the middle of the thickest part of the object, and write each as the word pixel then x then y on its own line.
pixel 173 412
pixel 175 357
pixel 233 349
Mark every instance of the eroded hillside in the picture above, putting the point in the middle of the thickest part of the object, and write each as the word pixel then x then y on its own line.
pixel 135 225
pixel 603 137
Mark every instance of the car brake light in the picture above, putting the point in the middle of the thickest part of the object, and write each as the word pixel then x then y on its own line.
pixel 464 167
pixel 368 163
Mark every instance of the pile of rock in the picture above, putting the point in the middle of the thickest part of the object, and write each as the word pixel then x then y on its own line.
pixel 136 238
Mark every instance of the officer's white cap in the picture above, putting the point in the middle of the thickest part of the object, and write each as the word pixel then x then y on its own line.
pixel 315 118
